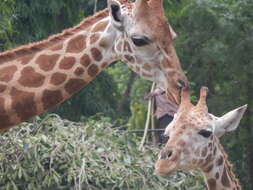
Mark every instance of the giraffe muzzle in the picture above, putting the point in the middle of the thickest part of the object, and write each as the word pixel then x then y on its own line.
pixel 166 163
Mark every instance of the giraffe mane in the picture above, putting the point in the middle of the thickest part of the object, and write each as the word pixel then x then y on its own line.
pixel 38 46
pixel 229 166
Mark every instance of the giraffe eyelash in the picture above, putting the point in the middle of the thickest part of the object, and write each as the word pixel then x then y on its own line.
pixel 140 41
pixel 205 133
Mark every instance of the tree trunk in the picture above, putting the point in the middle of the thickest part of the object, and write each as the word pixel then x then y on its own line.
pixel 126 95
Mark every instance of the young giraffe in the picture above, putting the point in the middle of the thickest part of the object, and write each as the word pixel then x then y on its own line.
pixel 194 143
pixel 36 77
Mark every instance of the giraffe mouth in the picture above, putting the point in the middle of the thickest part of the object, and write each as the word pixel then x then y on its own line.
pixel 165 168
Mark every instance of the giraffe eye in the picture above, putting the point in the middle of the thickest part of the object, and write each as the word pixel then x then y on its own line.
pixel 205 133
pixel 140 41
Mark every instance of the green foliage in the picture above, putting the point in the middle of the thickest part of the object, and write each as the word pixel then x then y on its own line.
pixel 38 19
pixel 58 154
pixel 6 28
pixel 139 87
pixel 138 117
pixel 120 72
pixel 215 47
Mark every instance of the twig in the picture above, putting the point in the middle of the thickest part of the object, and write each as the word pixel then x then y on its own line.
pixel 153 120
pixel 148 119
pixel 95 6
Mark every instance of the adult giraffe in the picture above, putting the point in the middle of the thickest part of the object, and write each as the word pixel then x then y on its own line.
pixel 38 76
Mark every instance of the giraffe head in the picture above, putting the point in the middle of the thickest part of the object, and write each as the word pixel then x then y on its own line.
pixel 193 134
pixel 145 43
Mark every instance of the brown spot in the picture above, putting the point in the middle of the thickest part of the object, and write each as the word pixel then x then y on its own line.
pixel 77 44
pixel 25 60
pixel 30 78
pixel 174 158
pixel 139 60
pixel 127 47
pixel 2 88
pixel 194 161
pixel 166 64
pixel 96 54
pixel 4 118
pixel 104 64
pixel 100 26
pixel 7 73
pixel 79 71
pixel 47 62
pixel 217 175
pixel 150 76
pixel 179 132
pixel 214 151
pixel 23 103
pixel 73 85
pixel 67 63
pixel 204 152
pixel 138 69
pixel 58 78
pixel 209 157
pixel 224 179
pixel 208 168
pixel 129 58
pixel 103 43
pixel 93 70
pixel 201 161
pixel 51 98
pixel 94 38
pixel 119 46
pixel 189 133
pixel 187 152
pixel 85 60
pixel 147 67
pixel 56 47
pixel 181 143
pixel 211 184
pixel 183 127
pixel 219 162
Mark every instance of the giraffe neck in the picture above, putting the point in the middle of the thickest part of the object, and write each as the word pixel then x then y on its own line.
pixel 218 171
pixel 36 77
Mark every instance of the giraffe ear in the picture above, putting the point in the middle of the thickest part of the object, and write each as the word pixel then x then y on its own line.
pixel 229 121
pixel 115 14
pixel 173 33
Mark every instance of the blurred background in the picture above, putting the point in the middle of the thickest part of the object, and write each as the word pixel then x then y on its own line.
pixel 214 44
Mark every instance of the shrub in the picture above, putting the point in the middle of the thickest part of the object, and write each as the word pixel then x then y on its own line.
pixel 57 154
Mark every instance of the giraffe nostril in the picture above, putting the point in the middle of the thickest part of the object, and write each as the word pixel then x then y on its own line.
pixel 165 155
pixel 169 154
pixel 181 83
pixel 165 138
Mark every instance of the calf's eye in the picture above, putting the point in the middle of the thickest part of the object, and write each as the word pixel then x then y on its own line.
pixel 205 133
